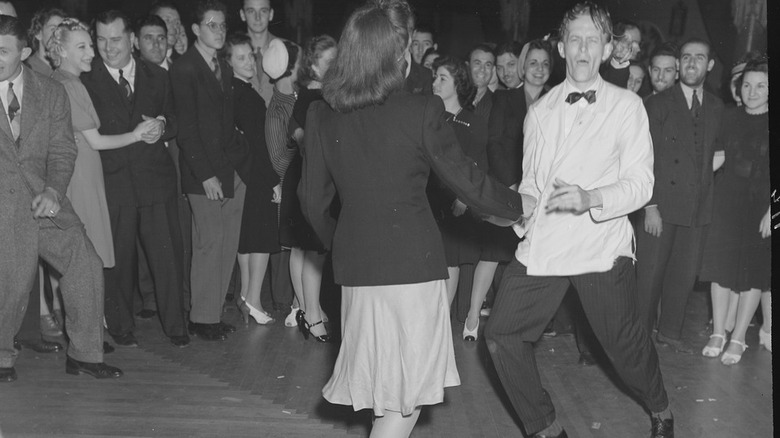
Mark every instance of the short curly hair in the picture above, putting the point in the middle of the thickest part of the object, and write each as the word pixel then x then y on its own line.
pixel 39 20
pixel 56 43
pixel 461 77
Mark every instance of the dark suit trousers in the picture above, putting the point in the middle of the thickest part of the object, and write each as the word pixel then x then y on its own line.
pixel 525 304
pixel 156 226
pixel 145 281
pixel 666 270
pixel 70 253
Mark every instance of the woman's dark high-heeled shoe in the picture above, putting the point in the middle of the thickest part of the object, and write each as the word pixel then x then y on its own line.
pixel 321 338
pixel 299 318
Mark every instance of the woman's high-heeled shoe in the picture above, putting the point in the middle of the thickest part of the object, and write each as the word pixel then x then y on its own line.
pixel 243 308
pixel 733 358
pixel 765 339
pixel 319 338
pixel 708 351
pixel 260 317
pixel 470 335
pixel 292 319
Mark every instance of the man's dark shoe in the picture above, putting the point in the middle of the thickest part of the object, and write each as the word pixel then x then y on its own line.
pixel 43 346
pixel 677 344
pixel 126 340
pixel 146 314
pixel 207 332
pixel 17 344
pixel 7 374
pixel 560 435
pixel 662 428
pixel 107 348
pixel 96 370
pixel 226 328
pixel 586 359
pixel 180 341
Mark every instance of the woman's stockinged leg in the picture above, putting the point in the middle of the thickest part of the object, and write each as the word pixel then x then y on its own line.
pixel 394 425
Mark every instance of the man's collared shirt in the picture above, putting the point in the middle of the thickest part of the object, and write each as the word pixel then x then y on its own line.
pixel 572 111
pixel 18 90
pixel 128 72
pixel 688 93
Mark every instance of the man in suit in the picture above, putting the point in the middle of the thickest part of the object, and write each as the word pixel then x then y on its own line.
pixel 152 46
pixel 37 156
pixel 422 40
pixel 257 14
pixel 140 180
pixel 663 67
pixel 507 68
pixel 212 157
pixel 588 160
pixel 170 15
pixel 684 123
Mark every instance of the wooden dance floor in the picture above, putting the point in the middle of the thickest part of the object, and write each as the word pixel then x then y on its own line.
pixel 266 382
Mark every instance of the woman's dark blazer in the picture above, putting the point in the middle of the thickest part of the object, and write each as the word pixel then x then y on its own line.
pixel 378 160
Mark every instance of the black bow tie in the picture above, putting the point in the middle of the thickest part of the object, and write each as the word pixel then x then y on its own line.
pixel 589 95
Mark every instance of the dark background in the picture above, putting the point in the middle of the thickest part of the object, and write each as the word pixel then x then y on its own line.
pixel 459 24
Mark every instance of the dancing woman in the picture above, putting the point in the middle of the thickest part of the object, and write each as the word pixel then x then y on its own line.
pixel 375 145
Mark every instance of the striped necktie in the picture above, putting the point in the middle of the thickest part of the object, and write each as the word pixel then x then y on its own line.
pixel 13 111
pixel 126 88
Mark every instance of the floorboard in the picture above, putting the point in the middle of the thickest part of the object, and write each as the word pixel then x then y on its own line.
pixel 266 382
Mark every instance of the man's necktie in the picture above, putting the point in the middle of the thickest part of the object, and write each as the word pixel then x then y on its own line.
pixel 217 70
pixel 125 86
pixel 13 110
pixel 695 106
pixel 589 95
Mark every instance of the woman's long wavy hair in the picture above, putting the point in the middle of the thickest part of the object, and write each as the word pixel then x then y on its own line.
pixel 371 52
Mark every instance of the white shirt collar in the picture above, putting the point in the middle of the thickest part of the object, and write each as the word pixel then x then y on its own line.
pixel 128 72
pixel 18 82
pixel 688 93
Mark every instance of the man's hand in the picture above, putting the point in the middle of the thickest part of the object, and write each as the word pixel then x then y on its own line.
pixel 458 208
pixel 653 223
pixel 213 188
pixel 46 204
pixel 153 135
pixel 572 198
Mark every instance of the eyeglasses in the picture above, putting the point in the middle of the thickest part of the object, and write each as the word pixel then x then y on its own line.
pixel 216 27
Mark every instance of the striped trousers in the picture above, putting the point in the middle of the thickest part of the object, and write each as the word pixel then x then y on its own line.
pixel 524 306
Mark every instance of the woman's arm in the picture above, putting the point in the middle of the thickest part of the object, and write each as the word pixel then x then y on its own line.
pixel 100 142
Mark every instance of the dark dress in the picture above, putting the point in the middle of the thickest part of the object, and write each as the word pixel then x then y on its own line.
pixel 735 254
pixel 259 230
pixel 294 231
pixel 460 233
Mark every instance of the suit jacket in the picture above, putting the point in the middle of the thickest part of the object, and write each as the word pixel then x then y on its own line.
pixel 683 189
pixel 138 174
pixel 207 137
pixel 609 149
pixel 44 156
pixel 378 160
pixel 419 81
pixel 505 135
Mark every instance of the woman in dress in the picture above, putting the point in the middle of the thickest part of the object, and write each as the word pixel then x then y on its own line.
pixel 737 255
pixel 71 52
pixel 374 146
pixel 463 234
pixel 259 236
pixel 307 255
pixel 281 64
